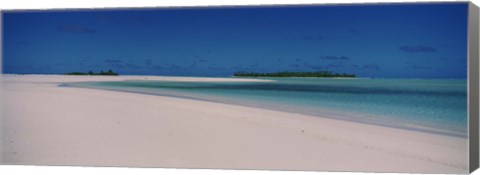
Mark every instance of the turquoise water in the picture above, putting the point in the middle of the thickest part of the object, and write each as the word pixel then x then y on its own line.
pixel 438 106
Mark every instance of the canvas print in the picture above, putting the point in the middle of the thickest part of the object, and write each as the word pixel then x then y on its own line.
pixel 370 88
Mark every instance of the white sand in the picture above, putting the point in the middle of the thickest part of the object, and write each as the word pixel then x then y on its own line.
pixel 44 124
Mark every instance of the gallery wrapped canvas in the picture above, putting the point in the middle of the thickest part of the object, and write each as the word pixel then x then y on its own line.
pixel 357 87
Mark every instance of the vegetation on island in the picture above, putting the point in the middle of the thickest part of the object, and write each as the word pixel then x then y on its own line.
pixel 327 74
pixel 108 73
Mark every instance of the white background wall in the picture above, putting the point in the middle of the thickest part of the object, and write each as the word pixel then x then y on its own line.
pixel 48 4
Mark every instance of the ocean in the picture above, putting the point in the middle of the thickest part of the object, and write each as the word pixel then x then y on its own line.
pixel 425 105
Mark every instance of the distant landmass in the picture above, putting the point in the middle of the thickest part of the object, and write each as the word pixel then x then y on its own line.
pixel 109 73
pixel 293 74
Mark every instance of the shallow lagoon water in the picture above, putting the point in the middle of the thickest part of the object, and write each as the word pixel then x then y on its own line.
pixel 438 106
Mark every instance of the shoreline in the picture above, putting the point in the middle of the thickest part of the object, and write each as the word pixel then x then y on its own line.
pixel 79 126
pixel 331 114
pixel 365 118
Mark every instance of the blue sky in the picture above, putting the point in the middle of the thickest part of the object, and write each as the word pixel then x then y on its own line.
pixel 385 41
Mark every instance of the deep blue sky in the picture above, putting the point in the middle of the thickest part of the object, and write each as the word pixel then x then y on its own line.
pixel 391 41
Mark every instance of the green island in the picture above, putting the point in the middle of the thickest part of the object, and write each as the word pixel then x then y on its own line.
pixel 108 73
pixel 322 74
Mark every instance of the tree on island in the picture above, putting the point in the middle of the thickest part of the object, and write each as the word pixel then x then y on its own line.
pixel 327 74
pixel 109 73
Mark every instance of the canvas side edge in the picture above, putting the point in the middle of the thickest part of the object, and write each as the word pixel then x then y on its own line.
pixel 473 83
pixel 1 88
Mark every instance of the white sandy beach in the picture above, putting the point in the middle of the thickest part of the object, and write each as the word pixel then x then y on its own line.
pixel 43 124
